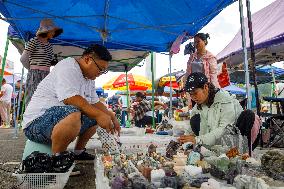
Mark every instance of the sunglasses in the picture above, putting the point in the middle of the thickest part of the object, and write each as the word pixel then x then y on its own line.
pixel 101 71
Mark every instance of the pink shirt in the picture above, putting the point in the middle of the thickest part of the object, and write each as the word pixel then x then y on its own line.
pixel 210 67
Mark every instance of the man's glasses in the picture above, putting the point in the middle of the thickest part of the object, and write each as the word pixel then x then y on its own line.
pixel 101 71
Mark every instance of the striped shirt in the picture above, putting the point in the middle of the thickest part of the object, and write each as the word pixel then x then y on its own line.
pixel 41 54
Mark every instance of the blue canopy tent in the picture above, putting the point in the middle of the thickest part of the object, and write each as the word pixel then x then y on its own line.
pixel 264 75
pixel 132 28
pixel 278 72
pixel 118 24
pixel 120 57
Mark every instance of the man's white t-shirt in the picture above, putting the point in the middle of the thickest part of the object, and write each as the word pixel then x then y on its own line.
pixel 64 81
pixel 7 89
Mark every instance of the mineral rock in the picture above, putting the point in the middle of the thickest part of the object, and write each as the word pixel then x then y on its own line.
pixel 193 170
pixel 169 182
pixel 248 182
pixel 118 183
pixel 212 160
pixel 156 176
pixel 211 184
pixel 206 153
pixel 203 164
pixel 193 158
pixel 233 152
pixel 253 162
pixel 218 149
pixel 198 181
pixel 146 172
pixel 172 149
pixel 139 182
pixel 179 162
pixel 273 164
pixel 152 149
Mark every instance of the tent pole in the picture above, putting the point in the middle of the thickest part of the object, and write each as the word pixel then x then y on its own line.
pixel 153 90
pixel 24 104
pixel 171 90
pixel 127 95
pixel 243 32
pixel 273 87
pixel 252 56
pixel 20 94
pixel 14 111
pixel 4 61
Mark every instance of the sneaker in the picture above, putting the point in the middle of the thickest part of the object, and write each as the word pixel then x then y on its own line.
pixel 75 172
pixel 61 162
pixel 84 156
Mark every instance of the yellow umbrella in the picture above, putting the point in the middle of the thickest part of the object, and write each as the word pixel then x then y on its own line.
pixel 135 82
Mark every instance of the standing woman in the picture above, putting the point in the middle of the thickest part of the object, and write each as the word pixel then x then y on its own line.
pixel 38 55
pixel 202 61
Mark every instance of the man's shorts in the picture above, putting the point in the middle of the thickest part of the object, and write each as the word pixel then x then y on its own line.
pixel 41 128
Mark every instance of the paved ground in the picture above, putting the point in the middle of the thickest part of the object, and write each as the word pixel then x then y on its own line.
pixel 11 154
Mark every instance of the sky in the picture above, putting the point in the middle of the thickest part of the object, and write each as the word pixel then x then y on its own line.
pixel 222 30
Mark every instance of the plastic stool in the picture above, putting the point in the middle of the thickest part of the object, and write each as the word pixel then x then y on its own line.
pixel 31 146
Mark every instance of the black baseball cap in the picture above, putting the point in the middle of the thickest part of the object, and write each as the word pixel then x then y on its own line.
pixel 194 81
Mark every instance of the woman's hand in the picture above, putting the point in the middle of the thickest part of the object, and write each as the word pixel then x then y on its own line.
pixel 130 110
pixel 190 106
pixel 187 138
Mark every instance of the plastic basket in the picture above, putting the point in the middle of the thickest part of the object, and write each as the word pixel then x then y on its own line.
pixel 134 144
pixel 43 180
pixel 134 131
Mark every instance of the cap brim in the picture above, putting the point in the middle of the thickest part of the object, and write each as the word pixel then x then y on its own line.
pixel 191 89
pixel 57 32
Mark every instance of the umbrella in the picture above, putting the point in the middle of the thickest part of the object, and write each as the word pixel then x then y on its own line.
pixel 235 90
pixel 6 72
pixel 9 78
pixel 164 81
pixel 278 72
pixel 239 77
pixel 263 75
pixel 135 82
